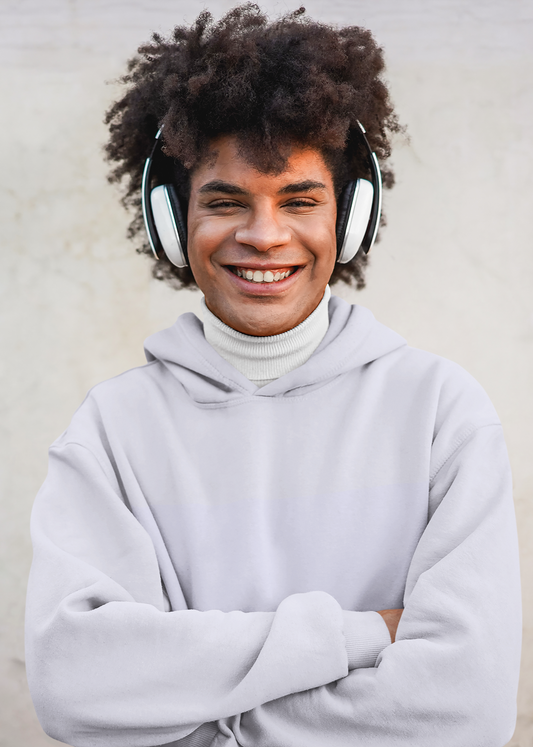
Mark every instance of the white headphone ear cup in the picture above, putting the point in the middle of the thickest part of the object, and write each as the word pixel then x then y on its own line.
pixel 357 220
pixel 165 224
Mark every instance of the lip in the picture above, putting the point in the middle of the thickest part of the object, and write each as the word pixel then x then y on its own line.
pixel 263 289
pixel 263 268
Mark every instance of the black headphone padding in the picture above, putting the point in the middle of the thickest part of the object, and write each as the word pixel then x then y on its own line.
pixel 375 215
pixel 344 203
pixel 181 222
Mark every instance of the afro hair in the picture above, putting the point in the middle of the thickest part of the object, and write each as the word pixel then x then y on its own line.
pixel 269 84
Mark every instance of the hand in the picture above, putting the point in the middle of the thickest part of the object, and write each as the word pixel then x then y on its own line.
pixel 392 618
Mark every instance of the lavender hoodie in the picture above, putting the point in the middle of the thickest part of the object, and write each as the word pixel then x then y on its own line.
pixel 209 556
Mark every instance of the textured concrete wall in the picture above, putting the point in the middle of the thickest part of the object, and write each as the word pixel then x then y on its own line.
pixel 453 272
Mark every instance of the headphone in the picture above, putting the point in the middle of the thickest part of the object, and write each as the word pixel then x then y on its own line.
pixel 165 215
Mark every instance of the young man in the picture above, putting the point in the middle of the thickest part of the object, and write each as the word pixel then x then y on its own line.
pixel 288 529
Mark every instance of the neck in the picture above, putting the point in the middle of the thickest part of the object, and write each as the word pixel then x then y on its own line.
pixel 264 359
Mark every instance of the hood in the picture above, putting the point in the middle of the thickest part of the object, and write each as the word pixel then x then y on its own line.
pixel 354 338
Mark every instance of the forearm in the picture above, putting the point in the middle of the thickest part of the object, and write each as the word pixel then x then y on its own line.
pixel 450 679
pixel 405 701
pixel 106 663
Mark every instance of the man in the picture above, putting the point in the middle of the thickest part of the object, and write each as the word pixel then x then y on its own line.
pixel 288 529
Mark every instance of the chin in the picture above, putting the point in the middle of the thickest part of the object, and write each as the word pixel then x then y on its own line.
pixel 262 321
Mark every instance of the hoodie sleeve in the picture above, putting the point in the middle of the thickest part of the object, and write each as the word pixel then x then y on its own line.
pixel 451 677
pixel 107 665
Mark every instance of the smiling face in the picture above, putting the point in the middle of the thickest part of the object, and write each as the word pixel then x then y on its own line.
pixel 262 247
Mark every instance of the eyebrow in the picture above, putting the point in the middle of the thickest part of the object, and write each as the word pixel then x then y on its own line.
pixel 217 185
pixel 306 186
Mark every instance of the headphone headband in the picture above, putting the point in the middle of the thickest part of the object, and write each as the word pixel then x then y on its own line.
pixel 375 215
pixel 146 188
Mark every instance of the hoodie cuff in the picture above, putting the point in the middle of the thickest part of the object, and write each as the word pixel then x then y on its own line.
pixel 366 635
pixel 201 737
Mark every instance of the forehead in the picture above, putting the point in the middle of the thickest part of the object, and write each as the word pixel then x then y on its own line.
pixel 225 161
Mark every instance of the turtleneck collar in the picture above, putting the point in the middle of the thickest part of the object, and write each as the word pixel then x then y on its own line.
pixel 263 359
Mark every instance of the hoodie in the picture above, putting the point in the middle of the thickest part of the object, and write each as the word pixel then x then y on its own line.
pixel 210 556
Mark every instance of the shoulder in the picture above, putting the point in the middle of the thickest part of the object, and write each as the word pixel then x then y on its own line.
pixel 459 407
pixel 454 387
pixel 385 355
pixel 126 387
pixel 441 391
pixel 451 398
pixel 113 403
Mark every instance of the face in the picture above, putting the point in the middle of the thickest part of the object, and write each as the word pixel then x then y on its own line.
pixel 261 247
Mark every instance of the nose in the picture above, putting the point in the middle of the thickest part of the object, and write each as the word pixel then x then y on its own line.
pixel 262 230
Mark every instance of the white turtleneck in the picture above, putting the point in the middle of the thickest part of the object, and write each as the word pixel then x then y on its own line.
pixel 263 359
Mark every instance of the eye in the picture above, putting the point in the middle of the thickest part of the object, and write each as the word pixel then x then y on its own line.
pixel 224 204
pixel 299 203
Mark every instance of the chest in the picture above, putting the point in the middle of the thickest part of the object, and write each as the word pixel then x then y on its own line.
pixel 273 497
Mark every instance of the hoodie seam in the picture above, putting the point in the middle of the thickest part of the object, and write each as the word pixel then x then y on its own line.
pixel 458 444
pixel 59 447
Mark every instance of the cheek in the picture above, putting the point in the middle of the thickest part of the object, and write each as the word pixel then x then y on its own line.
pixel 322 242
pixel 204 239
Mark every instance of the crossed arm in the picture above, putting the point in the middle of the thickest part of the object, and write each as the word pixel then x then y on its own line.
pixel 107 665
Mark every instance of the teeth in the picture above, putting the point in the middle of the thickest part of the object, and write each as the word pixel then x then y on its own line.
pixel 256 276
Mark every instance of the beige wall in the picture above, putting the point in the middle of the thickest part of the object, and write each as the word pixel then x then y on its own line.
pixel 453 272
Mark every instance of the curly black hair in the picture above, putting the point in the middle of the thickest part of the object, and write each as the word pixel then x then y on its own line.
pixel 292 81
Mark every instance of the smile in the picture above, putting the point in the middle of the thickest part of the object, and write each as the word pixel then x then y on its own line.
pixel 258 276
